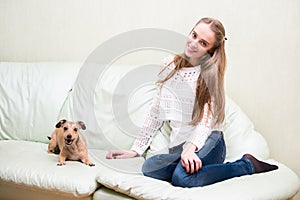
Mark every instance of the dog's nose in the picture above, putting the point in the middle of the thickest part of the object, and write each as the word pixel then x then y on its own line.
pixel 69 136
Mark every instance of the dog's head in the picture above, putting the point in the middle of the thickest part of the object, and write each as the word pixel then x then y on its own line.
pixel 71 130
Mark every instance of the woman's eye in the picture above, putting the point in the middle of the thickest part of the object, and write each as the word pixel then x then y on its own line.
pixel 203 43
pixel 194 35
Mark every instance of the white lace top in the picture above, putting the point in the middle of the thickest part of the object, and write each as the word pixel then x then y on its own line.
pixel 174 102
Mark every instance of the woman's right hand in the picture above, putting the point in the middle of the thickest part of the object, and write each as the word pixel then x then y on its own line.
pixel 121 154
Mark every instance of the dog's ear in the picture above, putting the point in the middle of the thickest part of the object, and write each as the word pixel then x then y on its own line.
pixel 61 122
pixel 82 125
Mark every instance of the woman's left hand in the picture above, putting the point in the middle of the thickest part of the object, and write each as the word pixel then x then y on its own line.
pixel 189 160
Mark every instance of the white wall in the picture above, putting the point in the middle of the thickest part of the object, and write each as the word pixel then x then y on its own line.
pixel 263 74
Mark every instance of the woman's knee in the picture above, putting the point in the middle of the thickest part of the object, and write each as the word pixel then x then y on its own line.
pixel 160 166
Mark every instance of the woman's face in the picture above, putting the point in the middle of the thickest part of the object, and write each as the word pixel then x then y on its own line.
pixel 199 41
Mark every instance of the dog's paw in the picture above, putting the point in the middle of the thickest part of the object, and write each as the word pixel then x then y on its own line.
pixel 91 164
pixel 61 163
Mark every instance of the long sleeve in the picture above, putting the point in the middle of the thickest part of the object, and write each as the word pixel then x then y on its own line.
pixel 202 130
pixel 151 124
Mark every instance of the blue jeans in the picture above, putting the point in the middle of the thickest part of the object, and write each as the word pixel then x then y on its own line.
pixel 168 167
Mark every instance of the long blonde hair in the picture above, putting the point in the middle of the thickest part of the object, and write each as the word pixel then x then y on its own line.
pixel 210 83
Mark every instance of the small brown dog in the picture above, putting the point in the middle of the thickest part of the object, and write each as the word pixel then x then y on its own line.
pixel 67 141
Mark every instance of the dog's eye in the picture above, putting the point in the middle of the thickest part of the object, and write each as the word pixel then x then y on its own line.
pixel 65 128
pixel 75 129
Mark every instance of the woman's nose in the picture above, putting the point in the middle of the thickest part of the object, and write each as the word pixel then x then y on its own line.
pixel 193 43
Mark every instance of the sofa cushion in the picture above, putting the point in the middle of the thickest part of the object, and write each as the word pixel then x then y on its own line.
pixel 240 134
pixel 32 95
pixel 28 163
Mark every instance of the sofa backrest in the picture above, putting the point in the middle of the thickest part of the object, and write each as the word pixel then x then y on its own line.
pixel 31 96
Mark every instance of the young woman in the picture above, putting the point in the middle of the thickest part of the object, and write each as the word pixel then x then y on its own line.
pixel 191 98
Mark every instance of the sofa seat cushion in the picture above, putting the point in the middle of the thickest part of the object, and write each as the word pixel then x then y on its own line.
pixel 124 176
pixel 28 163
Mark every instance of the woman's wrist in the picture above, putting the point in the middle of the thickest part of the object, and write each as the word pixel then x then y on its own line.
pixel 189 147
pixel 134 152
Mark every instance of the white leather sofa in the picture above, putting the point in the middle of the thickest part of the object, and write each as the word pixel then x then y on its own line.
pixel 34 96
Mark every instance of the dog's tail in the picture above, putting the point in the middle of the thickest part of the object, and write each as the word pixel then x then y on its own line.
pixel 49 137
